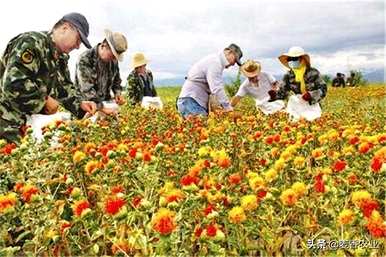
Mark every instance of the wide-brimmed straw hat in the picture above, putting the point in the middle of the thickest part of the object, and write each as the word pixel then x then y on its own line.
pixel 250 68
pixel 138 60
pixel 117 43
pixel 295 51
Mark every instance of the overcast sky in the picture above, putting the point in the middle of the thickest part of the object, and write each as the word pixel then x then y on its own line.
pixel 339 35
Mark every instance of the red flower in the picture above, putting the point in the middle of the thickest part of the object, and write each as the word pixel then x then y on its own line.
pixel 339 165
pixel 64 226
pixel 211 230
pixel 208 210
pixel 136 201
pixel 198 232
pixel 7 149
pixel 352 179
pixel 103 150
pixel 364 147
pixel 146 156
pixel 319 184
pixel 263 162
pixel 188 180
pixel 113 205
pixel 234 179
pixel 368 206
pixel 224 162
pixel 376 164
pixel 261 194
pixel 276 138
pixel 269 140
pixel 353 140
pixel 132 152
pixel 257 135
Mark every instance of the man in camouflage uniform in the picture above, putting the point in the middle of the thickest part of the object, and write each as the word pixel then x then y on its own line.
pixel 35 77
pixel 300 79
pixel 140 80
pixel 97 71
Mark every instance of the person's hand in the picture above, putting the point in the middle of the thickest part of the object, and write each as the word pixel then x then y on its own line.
pixel 119 99
pixel 88 106
pixel 109 111
pixel 306 96
pixel 51 105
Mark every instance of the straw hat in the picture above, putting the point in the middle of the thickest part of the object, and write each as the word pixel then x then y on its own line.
pixel 138 60
pixel 295 51
pixel 250 68
pixel 117 43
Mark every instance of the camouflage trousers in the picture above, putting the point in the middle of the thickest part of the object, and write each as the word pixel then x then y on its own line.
pixel 10 131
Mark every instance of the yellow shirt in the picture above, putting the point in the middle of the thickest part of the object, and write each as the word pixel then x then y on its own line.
pixel 299 77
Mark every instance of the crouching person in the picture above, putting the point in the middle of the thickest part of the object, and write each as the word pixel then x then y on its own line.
pixel 35 77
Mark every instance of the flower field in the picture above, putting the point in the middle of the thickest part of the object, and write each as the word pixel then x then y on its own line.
pixel 152 184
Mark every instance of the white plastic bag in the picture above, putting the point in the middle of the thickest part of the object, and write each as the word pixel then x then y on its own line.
pixel 151 102
pixel 38 121
pixel 269 107
pixel 298 108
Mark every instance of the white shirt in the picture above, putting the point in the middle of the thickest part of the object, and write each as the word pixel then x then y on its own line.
pixel 259 92
pixel 205 78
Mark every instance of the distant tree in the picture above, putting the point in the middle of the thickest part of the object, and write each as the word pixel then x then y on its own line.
pixel 327 79
pixel 234 86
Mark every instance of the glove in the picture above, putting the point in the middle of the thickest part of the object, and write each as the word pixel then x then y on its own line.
pixel 306 96
pixel 272 94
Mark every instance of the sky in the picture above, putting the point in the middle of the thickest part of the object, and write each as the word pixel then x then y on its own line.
pixel 339 35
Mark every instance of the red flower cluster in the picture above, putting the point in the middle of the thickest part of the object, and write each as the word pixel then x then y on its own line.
pixel 234 179
pixel 339 165
pixel 80 206
pixel 188 180
pixel 113 205
pixel 7 149
pixel 319 184
pixel 368 205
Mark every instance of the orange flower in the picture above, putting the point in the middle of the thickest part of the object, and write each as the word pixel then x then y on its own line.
pixel 364 147
pixel 237 215
pixel 376 225
pixel 120 247
pixel 175 195
pixel 234 179
pixel 289 197
pixel 80 207
pixel 28 191
pixel 164 221
pixel 146 156
pixel 91 167
pixel 7 201
pixel 346 217
pixel 224 162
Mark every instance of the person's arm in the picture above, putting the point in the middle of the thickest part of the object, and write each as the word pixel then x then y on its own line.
pixel 86 77
pixel 20 87
pixel 216 87
pixel 317 87
pixel 282 91
pixel 241 92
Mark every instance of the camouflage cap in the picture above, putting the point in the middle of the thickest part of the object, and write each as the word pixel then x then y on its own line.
pixel 236 49
pixel 81 24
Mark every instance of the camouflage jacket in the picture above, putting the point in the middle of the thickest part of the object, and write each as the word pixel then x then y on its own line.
pixel 32 69
pixel 136 86
pixel 96 78
pixel 315 85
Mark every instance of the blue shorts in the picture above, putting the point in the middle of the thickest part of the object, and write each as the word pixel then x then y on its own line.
pixel 188 106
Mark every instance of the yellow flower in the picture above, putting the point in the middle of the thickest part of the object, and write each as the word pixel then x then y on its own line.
pixel 91 166
pixel 123 148
pixel 256 182
pixel 359 196
pixel 346 217
pixel 78 156
pixel 249 202
pixel 317 153
pixel 288 197
pixel 299 162
pixel 204 151
pixel 169 186
pixel 300 188
pixel 285 155
pixel 7 202
pixel 270 175
pixel 279 164
pixel 274 151
pixel 237 215
pixel 348 150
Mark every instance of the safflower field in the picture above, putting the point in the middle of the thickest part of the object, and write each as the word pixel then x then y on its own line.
pixel 149 183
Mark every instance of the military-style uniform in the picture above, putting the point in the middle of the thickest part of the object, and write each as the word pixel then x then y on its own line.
pixel 315 85
pixel 97 78
pixel 32 69
pixel 139 86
